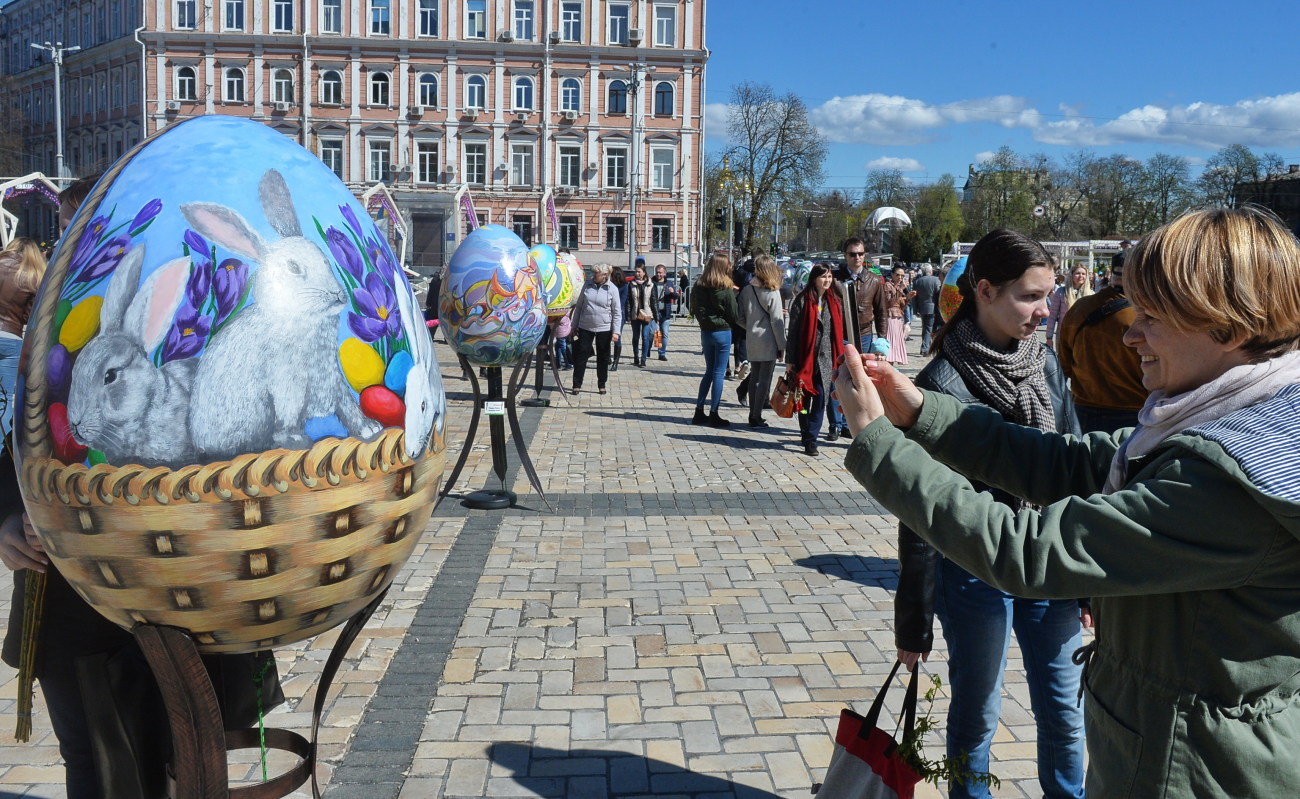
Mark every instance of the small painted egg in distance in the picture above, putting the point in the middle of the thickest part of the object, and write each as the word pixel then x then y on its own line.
pixel 362 366
pixel 383 406
pixel 398 369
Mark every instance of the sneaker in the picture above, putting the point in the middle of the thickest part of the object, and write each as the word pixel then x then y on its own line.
pixel 759 422
pixel 810 449
pixel 844 432
pixel 743 370
pixel 700 416
pixel 715 420
pixel 833 434
pixel 663 357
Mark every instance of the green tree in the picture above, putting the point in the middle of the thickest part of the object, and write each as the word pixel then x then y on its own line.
pixel 1236 163
pixel 937 221
pixel 1003 194
pixel 1166 190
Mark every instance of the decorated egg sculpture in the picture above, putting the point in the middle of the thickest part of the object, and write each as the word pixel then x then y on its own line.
pixel 802 274
pixel 492 303
pixel 574 278
pixel 550 274
pixel 949 293
pixel 233 420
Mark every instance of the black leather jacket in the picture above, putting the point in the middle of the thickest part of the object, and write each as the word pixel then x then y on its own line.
pixel 918 562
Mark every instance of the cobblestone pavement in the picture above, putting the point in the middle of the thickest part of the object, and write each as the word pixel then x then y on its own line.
pixel 687 622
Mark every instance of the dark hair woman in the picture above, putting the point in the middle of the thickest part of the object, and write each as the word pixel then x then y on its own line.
pixel 815 342
pixel 713 304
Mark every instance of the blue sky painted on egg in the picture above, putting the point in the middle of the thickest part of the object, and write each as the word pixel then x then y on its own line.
pixel 932 86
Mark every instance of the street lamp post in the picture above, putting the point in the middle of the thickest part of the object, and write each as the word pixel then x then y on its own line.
pixel 57 51
pixel 633 90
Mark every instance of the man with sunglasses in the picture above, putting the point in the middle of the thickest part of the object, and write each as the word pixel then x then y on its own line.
pixel 864 292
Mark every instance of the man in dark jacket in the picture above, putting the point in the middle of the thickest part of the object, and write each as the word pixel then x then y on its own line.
pixel 927 288
pixel 862 290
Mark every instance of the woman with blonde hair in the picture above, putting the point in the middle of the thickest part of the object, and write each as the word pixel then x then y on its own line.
pixel 1185 531
pixel 1064 298
pixel 22 265
pixel 713 304
pixel 764 322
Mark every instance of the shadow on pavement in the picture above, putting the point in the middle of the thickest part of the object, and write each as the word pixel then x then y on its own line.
pixel 861 569
pixel 737 441
pixel 595 774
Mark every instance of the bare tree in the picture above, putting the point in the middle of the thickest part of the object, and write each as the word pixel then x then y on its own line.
pixel 774 151
pixel 1230 166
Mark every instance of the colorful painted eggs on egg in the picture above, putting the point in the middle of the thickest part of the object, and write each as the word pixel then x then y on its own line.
pixel 222 449
pixel 949 293
pixel 491 301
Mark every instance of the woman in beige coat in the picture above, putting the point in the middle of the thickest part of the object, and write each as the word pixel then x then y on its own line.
pixel 764 323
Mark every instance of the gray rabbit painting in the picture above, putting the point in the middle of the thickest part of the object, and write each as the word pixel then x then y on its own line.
pixel 242 342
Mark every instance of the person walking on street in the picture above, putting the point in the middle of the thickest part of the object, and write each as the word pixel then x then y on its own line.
pixel 764 323
pixel 713 304
pixel 640 308
pixel 1074 290
pixel 862 291
pixel 664 299
pixel 814 344
pixel 683 286
pixel 925 303
pixel 897 296
pixel 619 281
pixel 988 354
pixel 597 318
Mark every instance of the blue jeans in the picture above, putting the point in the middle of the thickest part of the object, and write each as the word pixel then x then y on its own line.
pixel 664 321
pixel 810 421
pixel 835 416
pixel 563 357
pixel 977 621
pixel 10 348
pixel 648 339
pixel 927 331
pixel 717 347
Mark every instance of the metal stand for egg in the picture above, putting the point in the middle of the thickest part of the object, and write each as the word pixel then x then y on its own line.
pixel 200 741
pixel 491 498
pixel 545 351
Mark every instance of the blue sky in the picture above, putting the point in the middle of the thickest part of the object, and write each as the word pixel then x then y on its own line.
pixel 932 86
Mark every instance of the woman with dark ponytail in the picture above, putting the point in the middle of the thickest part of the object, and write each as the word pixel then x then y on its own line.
pixel 988 353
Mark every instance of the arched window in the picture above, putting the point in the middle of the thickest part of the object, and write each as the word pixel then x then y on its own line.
pixel 663 99
pixel 186 84
pixel 429 89
pixel 523 94
pixel 617 97
pixel 282 81
pixel 234 85
pixel 570 94
pixel 331 87
pixel 379 88
pixel 476 92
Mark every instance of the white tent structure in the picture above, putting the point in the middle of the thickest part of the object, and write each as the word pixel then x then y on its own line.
pixel 886 217
pixel 35 183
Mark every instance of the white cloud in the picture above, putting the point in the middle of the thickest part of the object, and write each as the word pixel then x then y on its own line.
pixel 985 155
pixel 890 119
pixel 901 164
pixel 1261 122
pixel 715 120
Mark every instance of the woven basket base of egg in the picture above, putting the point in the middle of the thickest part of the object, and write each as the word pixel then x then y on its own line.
pixel 252 553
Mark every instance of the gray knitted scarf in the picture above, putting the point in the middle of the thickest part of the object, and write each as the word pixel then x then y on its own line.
pixel 1012 382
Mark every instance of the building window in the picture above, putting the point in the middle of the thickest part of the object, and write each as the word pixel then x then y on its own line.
pixel 234 85
pixel 522 225
pixel 427 165
pixel 661 234
pixel 186 85
pixel 521 165
pixel 615 233
pixel 569 232
pixel 571 21
pixel 429 90
pixel 476 92
pixel 619 14
pixel 475 19
pixel 331 153
pixel 570 94
pixel 570 166
pixel 185 15
pixel 615 167
pixel 661 168
pixel 663 99
pixel 523 94
pixel 428 17
pixel 665 26
pixel 331 87
pixel 282 84
pixel 380 157
pixel 233 20
pixel 617 98
pixel 476 164
pixel 379 89
pixel 524 20
pixel 283 16
pixel 380 17
pixel 74 94
pixel 331 16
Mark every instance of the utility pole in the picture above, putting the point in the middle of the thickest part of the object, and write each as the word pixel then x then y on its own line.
pixel 57 51
pixel 634 155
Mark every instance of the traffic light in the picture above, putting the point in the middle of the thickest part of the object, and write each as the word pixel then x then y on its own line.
pixel 720 218
pixel 739 239
pixel 771 249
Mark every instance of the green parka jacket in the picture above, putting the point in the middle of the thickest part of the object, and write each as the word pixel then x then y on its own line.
pixel 1193 566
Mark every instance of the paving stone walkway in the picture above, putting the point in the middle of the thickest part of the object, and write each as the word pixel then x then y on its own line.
pixel 686 622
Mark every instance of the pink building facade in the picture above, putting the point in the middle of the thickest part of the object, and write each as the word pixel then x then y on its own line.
pixel 594 107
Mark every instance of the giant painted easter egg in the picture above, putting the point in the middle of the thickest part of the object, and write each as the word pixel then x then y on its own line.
pixel 550 274
pixel 573 278
pixel 949 293
pixel 491 301
pixel 212 436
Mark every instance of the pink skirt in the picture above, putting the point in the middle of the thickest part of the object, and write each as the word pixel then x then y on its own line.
pixel 897 335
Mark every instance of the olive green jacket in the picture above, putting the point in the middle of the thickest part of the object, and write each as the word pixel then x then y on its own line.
pixel 1194 567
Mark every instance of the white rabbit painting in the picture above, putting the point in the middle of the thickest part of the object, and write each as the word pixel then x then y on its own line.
pixel 273 366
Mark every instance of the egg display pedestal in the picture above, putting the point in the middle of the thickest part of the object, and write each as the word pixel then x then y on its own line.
pixel 498 403
pixel 545 352
pixel 200 742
